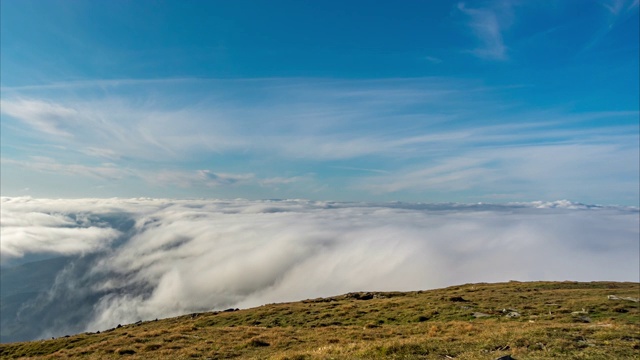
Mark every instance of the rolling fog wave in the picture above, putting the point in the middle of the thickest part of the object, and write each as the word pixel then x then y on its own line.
pixel 140 259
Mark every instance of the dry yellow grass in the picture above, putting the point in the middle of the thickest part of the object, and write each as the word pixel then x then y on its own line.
pixel 537 320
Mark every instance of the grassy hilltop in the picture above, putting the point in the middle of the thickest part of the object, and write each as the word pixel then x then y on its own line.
pixel 533 320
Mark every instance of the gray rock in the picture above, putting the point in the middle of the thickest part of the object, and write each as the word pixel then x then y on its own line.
pixel 506 357
pixel 480 315
pixel 458 299
pixel 583 319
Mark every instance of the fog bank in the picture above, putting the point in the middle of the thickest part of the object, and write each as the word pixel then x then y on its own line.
pixel 137 259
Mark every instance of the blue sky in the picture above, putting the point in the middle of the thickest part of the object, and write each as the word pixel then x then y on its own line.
pixel 428 101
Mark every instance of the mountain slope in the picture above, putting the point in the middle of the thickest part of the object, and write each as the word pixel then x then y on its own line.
pixel 536 320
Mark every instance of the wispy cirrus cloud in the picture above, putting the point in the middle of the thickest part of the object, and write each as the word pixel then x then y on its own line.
pixel 487 26
pixel 117 127
pixel 106 171
pixel 553 169
pixel 111 171
pixel 323 120
pixel 414 132
pixel 614 12
pixel 282 180
pixel 309 119
pixel 206 178
pixel 620 7
pixel 43 116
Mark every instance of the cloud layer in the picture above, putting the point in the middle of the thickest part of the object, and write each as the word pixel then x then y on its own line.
pixel 430 139
pixel 150 258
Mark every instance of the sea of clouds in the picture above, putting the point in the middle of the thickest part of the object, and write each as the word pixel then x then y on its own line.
pixel 140 259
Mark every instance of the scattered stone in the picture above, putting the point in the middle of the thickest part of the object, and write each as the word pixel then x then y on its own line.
pixel 585 342
pixel 458 299
pixel 513 314
pixel 583 319
pixel 613 297
pixel 258 343
pixel 230 310
pixel 138 322
pixel 480 315
pixel 119 326
pixel 581 312
pixel 506 357
pixel 125 352
pixel 360 296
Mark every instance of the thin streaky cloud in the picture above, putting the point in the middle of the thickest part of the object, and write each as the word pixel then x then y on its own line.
pixel 618 7
pixel 313 112
pixel 50 165
pixel 121 131
pixel 616 12
pixel 486 26
pixel 433 59
pixel 552 168
pixel 362 169
pixel 43 116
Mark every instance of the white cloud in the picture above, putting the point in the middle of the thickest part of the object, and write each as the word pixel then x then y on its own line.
pixel 279 180
pixel 212 179
pixel 439 133
pixel 109 154
pixel 196 178
pixel 619 7
pixel 116 127
pixel 303 119
pixel 26 230
pixel 40 163
pixel 617 11
pixel 62 241
pixel 554 170
pixel 194 255
pixel 47 117
pixel 308 118
pixel 451 174
pixel 487 26
pixel 433 59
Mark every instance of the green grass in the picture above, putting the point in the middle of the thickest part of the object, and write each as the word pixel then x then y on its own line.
pixel 557 320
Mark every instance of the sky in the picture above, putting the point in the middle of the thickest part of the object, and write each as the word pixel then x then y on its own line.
pixel 414 101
